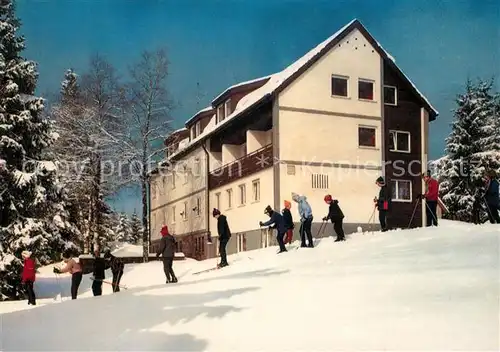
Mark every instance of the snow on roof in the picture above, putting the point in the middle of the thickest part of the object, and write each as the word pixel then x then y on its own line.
pixel 208 108
pixel 276 80
pixel 237 85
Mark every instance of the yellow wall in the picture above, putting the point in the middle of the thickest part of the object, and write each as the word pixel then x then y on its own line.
pixel 166 195
pixel 354 189
pixel 258 139
pixel 243 217
pixel 312 90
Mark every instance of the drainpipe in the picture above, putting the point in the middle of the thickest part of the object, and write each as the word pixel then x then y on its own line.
pixel 207 195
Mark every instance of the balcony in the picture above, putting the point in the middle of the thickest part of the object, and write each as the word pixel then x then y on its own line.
pixel 249 164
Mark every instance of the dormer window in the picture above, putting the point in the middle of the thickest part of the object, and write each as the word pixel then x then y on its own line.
pixel 197 128
pixel 227 108
pixel 220 113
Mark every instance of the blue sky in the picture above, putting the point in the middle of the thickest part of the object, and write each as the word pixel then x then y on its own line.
pixel 215 43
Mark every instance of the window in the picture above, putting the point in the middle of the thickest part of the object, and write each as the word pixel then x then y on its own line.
pixel 173 213
pixel 390 95
pixel 256 190
pixel 340 86
pixel 243 194
pixel 227 108
pixel 186 174
pixel 401 190
pixel 197 167
pixel 229 198
pixel 164 216
pixel 198 206
pixel 217 200
pixel 367 136
pixel 154 223
pixel 184 212
pixel 399 141
pixel 220 113
pixel 319 181
pixel 173 179
pixel 197 129
pixel 365 89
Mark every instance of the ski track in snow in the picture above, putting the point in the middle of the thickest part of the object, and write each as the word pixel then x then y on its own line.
pixel 431 289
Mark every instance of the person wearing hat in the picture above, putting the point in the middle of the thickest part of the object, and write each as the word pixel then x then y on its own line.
pixel 382 203
pixel 288 219
pixel 492 197
pixel 431 198
pixel 117 267
pixel 28 276
pixel 224 236
pixel 98 273
pixel 73 267
pixel 336 216
pixel 167 251
pixel 276 219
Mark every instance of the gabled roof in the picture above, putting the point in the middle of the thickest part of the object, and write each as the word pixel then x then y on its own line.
pixel 279 81
pixel 254 83
pixel 202 113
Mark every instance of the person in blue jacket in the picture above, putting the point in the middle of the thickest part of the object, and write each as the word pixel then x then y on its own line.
pixel 306 219
pixel 276 219
pixel 492 197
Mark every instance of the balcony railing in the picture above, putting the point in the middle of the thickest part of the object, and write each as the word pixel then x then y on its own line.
pixel 245 166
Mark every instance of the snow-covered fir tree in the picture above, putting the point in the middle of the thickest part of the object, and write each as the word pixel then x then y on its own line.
pixel 468 152
pixel 136 229
pixel 123 230
pixel 32 212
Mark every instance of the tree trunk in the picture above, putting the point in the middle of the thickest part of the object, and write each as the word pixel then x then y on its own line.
pixel 145 233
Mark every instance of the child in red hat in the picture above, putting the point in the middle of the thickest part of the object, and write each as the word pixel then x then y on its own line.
pixel 336 216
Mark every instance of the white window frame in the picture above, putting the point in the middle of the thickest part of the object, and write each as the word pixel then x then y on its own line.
pixel 396 132
pixel 256 191
pixel 229 194
pixel 375 128
pixel 197 129
pixel 197 167
pixel 366 80
pixel 243 194
pixel 173 179
pixel 346 78
pixel 220 113
pixel 397 199
pixel 186 174
pixel 198 206
pixel 395 95
pixel 173 214
pixel 185 216
pixel 153 190
pixel 217 200
pixel 154 223
pixel 227 108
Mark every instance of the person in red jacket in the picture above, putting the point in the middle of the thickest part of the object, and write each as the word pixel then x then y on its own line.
pixel 431 198
pixel 28 277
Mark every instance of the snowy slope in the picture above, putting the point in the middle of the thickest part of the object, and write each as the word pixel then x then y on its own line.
pixel 427 289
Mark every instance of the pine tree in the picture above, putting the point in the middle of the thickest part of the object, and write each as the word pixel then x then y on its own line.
pixel 136 229
pixel 32 209
pixel 123 230
pixel 462 170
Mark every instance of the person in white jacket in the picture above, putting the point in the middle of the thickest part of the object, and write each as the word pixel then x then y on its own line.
pixel 306 219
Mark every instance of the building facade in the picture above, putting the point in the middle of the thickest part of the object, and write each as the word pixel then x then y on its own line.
pixel 330 123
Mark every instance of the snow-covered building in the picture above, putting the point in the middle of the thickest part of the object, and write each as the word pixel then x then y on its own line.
pixel 330 123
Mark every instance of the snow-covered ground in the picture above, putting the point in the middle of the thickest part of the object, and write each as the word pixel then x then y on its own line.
pixel 431 289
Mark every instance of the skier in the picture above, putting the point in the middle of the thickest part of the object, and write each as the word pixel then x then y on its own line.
pixel 167 250
pixel 382 203
pixel 492 197
pixel 431 198
pixel 306 219
pixel 98 273
pixel 224 236
pixel 336 216
pixel 73 267
pixel 28 276
pixel 276 219
pixel 117 268
pixel 288 219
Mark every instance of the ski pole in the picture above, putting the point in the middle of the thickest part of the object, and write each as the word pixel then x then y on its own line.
pixel 414 211
pixel 430 211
